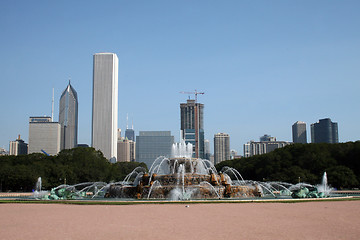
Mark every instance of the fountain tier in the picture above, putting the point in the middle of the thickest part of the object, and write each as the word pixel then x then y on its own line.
pixel 179 179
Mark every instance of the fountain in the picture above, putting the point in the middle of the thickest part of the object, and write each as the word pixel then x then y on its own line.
pixel 324 187
pixel 37 192
pixel 182 177
pixel 38 185
pixel 309 191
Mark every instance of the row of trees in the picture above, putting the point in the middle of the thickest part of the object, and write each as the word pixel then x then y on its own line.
pixel 305 161
pixel 20 173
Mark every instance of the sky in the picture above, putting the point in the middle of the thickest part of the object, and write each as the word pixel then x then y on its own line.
pixel 263 65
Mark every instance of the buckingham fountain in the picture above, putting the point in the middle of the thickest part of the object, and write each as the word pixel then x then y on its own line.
pixel 182 177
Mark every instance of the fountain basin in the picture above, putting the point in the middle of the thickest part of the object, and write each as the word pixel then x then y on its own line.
pixel 182 178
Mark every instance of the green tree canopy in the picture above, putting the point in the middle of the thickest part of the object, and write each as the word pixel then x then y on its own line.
pixel 305 161
pixel 77 165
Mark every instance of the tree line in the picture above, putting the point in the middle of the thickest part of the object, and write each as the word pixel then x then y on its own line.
pixel 293 163
pixel 305 163
pixel 77 165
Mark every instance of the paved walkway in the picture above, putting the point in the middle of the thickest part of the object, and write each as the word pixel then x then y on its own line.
pixel 305 220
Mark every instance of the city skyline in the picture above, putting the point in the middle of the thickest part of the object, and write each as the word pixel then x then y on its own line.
pixel 300 54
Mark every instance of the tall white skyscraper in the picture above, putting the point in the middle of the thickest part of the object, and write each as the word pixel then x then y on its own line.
pixel 105 104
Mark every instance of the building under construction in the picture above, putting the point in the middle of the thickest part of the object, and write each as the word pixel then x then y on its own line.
pixel 192 125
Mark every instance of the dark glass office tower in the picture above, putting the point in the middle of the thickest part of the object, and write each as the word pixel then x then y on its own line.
pixel 192 125
pixel 68 118
pixel 153 144
pixel 130 134
pixel 324 131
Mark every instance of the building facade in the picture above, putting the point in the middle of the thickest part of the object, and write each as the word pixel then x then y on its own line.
pixel 299 132
pixel 267 138
pixel 130 134
pixel 3 152
pixel 105 104
pixel 18 147
pixel 153 144
pixel 44 136
pixel 126 150
pixel 221 147
pixel 257 148
pixel 207 149
pixel 192 126
pixel 68 118
pixel 324 131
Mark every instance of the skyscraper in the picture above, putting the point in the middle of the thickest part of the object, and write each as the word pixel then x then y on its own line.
pixel 126 150
pixel 18 147
pixel 192 125
pixel 130 134
pixel 105 104
pixel 267 138
pixel 207 150
pixel 44 135
pixel 68 118
pixel 299 132
pixel 324 131
pixel 221 147
pixel 153 144
pixel 266 145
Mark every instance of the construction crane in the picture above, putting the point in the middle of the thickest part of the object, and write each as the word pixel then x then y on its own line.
pixel 195 93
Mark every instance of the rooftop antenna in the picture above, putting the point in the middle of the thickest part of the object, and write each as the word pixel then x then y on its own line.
pixel 127 121
pixel 132 124
pixel 52 106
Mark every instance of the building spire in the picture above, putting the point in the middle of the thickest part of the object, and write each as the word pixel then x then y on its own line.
pixel 127 121
pixel 52 106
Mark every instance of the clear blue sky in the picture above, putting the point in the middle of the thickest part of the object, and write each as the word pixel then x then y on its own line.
pixel 263 65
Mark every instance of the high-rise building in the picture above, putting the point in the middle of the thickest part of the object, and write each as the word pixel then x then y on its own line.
pixel 105 104
pixel 267 138
pixel 221 147
pixel 324 131
pixel 3 152
pixel 126 151
pixel 153 144
pixel 44 136
pixel 192 126
pixel 18 147
pixel 132 151
pixel 68 118
pixel 130 134
pixel 207 149
pixel 266 145
pixel 233 154
pixel 299 132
